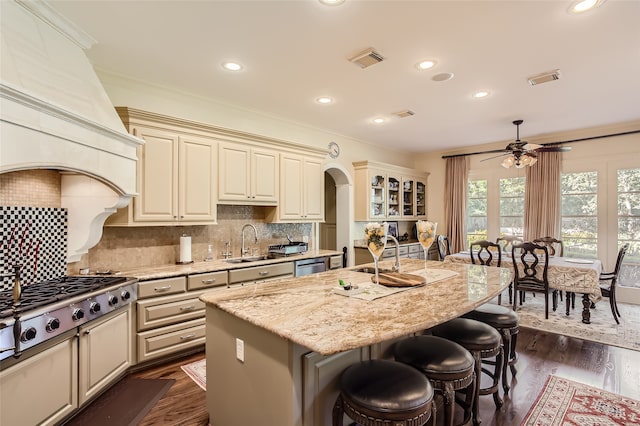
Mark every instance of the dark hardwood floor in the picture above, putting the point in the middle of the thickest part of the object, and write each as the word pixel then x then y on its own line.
pixel 540 354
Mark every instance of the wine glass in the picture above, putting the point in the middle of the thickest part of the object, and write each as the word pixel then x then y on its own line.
pixel 376 235
pixel 426 235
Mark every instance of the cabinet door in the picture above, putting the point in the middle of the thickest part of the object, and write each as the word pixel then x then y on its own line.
pixel 233 172
pixel 313 190
pixel 198 176
pixel 394 196
pixel 106 351
pixel 157 176
pixel 421 199
pixel 264 176
pixel 377 197
pixel 291 187
pixel 408 197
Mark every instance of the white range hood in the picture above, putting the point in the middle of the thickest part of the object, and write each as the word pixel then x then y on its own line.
pixel 55 114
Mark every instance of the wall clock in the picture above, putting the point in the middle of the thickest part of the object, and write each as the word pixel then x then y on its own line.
pixel 334 150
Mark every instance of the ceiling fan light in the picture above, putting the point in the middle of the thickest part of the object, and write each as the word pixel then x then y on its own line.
pixel 508 162
pixel 534 160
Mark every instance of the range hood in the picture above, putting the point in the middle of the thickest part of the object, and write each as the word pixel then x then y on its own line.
pixel 55 114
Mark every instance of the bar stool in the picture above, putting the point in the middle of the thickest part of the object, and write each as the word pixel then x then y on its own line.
pixel 483 341
pixel 506 321
pixel 448 366
pixel 383 392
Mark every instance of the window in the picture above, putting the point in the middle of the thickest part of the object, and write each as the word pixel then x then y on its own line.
pixel 476 210
pixel 512 206
pixel 628 183
pixel 579 214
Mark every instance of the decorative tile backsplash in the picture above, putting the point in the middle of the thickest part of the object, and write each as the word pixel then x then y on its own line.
pixel 36 238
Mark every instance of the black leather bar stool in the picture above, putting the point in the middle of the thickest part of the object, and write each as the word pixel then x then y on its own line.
pixel 483 341
pixel 506 321
pixel 382 392
pixel 448 366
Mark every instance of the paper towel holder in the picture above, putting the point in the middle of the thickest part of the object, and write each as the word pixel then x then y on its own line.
pixel 187 254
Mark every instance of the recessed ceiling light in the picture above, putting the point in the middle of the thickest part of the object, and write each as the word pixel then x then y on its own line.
pixel 480 94
pixel 378 120
pixel 232 66
pixel 584 5
pixel 324 100
pixel 426 64
pixel 331 2
pixel 443 76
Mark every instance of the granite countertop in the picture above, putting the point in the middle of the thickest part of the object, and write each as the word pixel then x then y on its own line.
pixel 146 273
pixel 306 310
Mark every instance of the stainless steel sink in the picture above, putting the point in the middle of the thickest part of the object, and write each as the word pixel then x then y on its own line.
pixel 245 259
pixel 371 270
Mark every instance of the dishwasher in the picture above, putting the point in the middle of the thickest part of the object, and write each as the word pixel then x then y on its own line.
pixel 309 266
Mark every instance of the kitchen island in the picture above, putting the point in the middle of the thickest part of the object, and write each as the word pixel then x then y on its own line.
pixel 275 350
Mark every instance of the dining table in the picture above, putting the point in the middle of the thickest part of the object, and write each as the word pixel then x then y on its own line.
pixel 568 274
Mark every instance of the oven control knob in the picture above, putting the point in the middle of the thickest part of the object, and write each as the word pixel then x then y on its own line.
pixel 77 314
pixel 28 334
pixel 113 300
pixel 52 325
pixel 125 295
pixel 94 308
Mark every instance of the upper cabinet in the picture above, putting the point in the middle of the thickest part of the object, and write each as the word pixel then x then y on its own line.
pixel 301 189
pixel 176 176
pixel 247 175
pixel 389 192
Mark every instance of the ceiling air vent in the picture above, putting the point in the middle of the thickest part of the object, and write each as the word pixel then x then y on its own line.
pixel 367 58
pixel 544 77
pixel 405 113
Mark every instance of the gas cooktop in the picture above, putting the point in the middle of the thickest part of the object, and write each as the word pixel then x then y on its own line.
pixel 47 292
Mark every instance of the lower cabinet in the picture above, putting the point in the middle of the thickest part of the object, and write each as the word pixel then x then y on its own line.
pixel 43 389
pixel 106 352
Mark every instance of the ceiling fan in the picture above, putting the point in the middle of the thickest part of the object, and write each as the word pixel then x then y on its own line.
pixel 522 153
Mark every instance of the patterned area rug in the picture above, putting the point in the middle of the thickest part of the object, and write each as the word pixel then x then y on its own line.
pixel 564 402
pixel 197 370
pixel 603 328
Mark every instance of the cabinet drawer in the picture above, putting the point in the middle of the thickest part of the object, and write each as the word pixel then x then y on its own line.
pixel 160 311
pixel 211 279
pixel 171 339
pixel 415 248
pixel 259 273
pixel 161 287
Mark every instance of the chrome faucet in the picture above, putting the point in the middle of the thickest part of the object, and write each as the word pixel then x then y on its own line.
pixel 396 267
pixel 243 250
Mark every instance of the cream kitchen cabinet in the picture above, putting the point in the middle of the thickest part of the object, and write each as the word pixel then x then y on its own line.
pixel 247 174
pixel 106 352
pixel 301 189
pixel 388 192
pixel 176 175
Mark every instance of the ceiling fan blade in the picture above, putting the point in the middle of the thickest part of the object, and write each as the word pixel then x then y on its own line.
pixel 495 156
pixel 553 149
pixel 531 146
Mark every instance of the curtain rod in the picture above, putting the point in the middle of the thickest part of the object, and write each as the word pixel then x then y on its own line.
pixel 495 151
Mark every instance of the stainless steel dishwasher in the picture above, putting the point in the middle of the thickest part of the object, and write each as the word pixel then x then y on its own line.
pixel 310 266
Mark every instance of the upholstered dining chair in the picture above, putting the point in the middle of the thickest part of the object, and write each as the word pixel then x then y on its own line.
pixel 530 272
pixel 507 241
pixel 443 246
pixel 608 281
pixel 555 246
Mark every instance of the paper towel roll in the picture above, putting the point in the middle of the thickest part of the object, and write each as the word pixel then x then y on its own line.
pixel 185 249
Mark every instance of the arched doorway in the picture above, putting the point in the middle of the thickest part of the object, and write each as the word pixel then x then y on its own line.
pixel 335 232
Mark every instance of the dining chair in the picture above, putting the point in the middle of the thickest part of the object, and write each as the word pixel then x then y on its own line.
pixel 443 246
pixel 555 246
pixel 530 266
pixel 609 290
pixel 507 241
pixel 482 253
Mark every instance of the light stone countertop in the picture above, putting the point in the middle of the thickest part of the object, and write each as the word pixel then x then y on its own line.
pixel 305 310
pixel 146 273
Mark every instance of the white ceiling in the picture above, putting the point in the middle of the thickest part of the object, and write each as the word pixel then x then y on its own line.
pixel 296 50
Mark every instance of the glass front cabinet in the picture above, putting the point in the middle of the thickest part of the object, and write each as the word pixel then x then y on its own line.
pixel 389 192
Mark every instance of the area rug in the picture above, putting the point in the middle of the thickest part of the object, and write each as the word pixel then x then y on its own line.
pixel 125 404
pixel 563 402
pixel 603 328
pixel 197 370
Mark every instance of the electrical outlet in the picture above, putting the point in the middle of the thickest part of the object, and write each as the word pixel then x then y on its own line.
pixel 305 238
pixel 240 349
